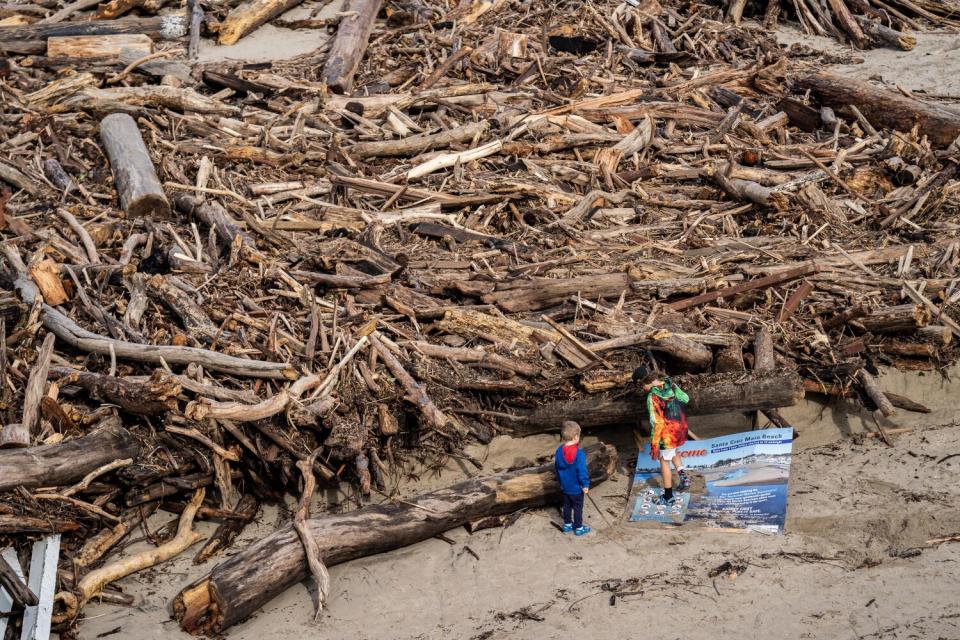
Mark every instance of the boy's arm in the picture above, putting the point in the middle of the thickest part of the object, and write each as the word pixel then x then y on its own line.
pixel 583 474
pixel 680 394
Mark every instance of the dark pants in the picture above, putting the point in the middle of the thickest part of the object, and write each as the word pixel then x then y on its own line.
pixel 573 503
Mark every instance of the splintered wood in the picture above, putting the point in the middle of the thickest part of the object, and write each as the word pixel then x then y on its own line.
pixel 453 223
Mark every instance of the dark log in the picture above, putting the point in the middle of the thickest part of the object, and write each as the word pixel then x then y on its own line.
pixel 848 22
pixel 540 293
pixel 155 397
pixel 133 173
pixel 239 586
pixel 884 35
pixel 15 587
pixel 840 391
pixel 245 511
pixel 20 525
pixel 163 27
pixel 903 318
pixel 709 394
pixel 350 45
pixel 883 107
pixel 58 464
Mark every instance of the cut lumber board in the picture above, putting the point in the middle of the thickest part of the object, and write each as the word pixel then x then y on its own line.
pixel 83 47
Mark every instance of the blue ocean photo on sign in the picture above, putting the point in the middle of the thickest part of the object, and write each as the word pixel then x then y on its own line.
pixel 744 486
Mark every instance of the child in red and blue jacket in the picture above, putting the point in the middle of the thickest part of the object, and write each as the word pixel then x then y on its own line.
pixel 571 467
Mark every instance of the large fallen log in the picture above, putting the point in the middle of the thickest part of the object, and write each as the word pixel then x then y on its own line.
pixel 164 27
pixel 238 587
pixel 133 173
pixel 883 107
pixel 350 44
pixel 709 394
pixel 58 464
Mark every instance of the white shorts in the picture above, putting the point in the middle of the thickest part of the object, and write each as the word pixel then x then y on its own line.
pixel 667 454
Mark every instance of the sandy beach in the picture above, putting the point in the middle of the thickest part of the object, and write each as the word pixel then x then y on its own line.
pixel 859 559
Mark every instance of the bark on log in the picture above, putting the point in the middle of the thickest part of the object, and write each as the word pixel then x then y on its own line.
pixel 759 283
pixel 417 144
pixel 848 22
pixel 64 463
pixel 709 394
pixel 16 589
pixel 238 587
pixel 133 173
pixel 248 16
pixel 163 27
pixel 875 393
pixel 83 47
pixel 902 318
pixel 350 45
pixel 540 293
pixel 885 108
pixel 155 397
pixel 884 35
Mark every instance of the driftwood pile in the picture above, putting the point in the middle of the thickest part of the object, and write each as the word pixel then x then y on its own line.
pixel 477 220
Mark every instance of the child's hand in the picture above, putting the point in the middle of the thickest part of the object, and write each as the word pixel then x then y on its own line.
pixel 655 453
pixel 586 489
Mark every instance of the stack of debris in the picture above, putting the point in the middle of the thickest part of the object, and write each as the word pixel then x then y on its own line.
pixel 221 279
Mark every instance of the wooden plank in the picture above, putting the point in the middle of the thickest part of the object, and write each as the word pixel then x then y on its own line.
pixel 790 306
pixel 759 283
pixel 43 582
pixel 84 47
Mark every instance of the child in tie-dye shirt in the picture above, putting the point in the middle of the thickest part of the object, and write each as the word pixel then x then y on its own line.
pixel 668 427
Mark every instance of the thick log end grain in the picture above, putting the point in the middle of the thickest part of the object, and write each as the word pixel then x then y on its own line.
pixel 133 172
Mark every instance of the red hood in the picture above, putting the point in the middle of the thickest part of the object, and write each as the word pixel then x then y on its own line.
pixel 570 453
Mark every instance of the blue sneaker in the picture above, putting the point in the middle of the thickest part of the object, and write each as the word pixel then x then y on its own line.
pixel 567 527
pixel 582 531
pixel 663 502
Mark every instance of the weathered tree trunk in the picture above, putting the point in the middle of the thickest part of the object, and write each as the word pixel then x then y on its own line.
pixel 154 397
pixel 540 293
pixel 417 144
pixel 164 27
pixel 248 16
pixel 884 108
pixel 350 45
pixel 238 587
pixel 886 36
pixel 133 174
pixel 59 464
pixel 83 47
pixel 902 318
pixel 709 394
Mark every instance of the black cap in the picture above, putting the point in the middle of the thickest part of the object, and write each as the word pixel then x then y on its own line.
pixel 640 373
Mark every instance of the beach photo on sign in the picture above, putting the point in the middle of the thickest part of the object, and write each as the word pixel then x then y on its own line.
pixel 745 478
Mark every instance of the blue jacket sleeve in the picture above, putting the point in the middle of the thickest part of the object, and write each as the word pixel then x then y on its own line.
pixel 582 474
